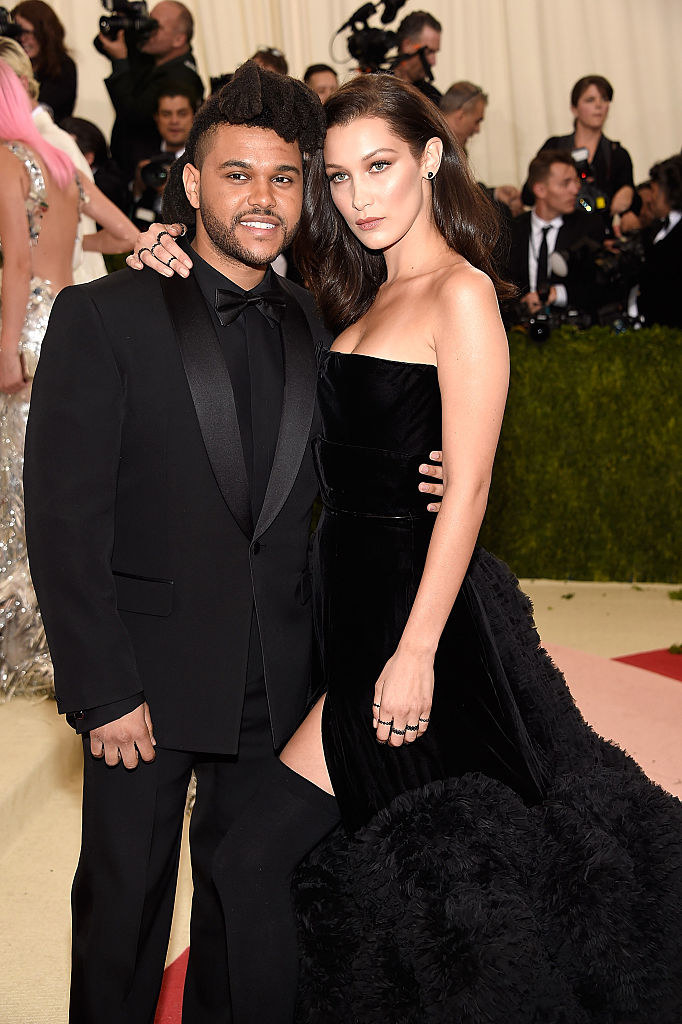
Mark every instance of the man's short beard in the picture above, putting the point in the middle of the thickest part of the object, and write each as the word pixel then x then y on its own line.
pixel 224 238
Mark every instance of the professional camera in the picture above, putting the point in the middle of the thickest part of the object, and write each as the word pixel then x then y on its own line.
pixel 8 27
pixel 155 173
pixel 367 44
pixel 127 15
pixel 591 198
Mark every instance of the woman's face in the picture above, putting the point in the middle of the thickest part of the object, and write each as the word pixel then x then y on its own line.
pixel 28 37
pixel 376 183
pixel 592 108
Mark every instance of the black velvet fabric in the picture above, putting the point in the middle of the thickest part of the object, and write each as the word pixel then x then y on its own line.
pixel 511 867
pixel 380 420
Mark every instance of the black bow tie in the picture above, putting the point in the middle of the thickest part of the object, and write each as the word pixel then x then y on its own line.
pixel 228 305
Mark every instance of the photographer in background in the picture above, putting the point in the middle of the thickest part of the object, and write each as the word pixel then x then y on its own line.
pixel 141 66
pixel 105 170
pixel 553 225
pixel 605 167
pixel 322 79
pixel 42 37
pixel 660 282
pixel 175 112
pixel 419 31
pixel 463 108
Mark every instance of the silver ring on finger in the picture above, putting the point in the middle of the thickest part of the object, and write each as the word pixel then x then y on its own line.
pixel 160 236
pixel 424 720
pixel 171 259
pixel 376 705
pixel 140 251
pixel 398 732
pixel 381 722
pixel 412 728
pixel 153 248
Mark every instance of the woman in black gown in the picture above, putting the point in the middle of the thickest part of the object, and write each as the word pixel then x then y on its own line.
pixel 498 861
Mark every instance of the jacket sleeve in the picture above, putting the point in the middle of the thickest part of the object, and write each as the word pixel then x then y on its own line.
pixel 73 443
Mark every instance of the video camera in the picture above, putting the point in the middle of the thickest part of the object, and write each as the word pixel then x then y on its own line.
pixel 8 27
pixel 591 198
pixel 369 45
pixel 128 16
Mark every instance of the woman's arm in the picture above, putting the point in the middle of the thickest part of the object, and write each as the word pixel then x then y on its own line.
pixel 117 233
pixel 16 274
pixel 473 373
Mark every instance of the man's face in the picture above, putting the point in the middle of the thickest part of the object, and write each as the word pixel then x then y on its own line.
pixel 323 83
pixel 467 121
pixel 249 193
pixel 168 36
pixel 659 201
pixel 174 116
pixel 414 69
pixel 560 190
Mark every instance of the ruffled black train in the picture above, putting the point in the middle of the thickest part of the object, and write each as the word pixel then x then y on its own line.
pixel 460 903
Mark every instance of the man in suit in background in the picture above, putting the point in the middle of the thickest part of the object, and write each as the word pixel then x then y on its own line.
pixel 553 226
pixel 169 485
pixel 660 280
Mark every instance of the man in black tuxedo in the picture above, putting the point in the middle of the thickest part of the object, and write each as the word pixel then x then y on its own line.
pixel 169 486
pixel 553 226
pixel 660 281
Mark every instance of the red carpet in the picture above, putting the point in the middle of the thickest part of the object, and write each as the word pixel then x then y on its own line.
pixel 663 662
pixel 169 1009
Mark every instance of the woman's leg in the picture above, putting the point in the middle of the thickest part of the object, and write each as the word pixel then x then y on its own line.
pixel 290 813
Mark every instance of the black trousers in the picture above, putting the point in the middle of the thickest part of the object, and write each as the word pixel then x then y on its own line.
pixel 124 888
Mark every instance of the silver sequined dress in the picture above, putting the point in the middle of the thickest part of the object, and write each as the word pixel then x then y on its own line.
pixel 25 665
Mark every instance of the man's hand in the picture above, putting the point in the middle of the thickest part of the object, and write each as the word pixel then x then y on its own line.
pixel 116 48
pixel 436 472
pixel 122 739
pixel 511 197
pixel 532 300
pixel 155 248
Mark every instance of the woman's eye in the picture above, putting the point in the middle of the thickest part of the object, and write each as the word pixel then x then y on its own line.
pixel 380 165
pixel 334 179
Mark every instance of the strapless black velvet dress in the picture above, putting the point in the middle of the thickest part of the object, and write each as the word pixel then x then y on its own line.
pixel 510 866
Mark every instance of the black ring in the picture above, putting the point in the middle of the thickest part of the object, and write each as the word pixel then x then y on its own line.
pixel 398 732
pixel 153 248
pixel 385 723
pixel 171 259
pixel 160 235
pixel 376 705
pixel 424 720
pixel 139 252
pixel 184 230
pixel 412 728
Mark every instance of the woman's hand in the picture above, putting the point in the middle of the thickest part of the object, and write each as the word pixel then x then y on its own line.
pixel 155 248
pixel 11 373
pixel 402 697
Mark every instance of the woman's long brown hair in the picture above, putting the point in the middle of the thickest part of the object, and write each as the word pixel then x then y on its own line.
pixel 342 274
pixel 49 33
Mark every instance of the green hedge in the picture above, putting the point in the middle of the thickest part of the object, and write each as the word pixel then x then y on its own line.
pixel 588 476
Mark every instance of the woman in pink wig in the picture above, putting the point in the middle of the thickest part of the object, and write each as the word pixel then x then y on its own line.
pixel 39 211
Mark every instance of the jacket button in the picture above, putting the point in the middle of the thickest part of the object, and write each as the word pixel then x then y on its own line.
pixel 256 547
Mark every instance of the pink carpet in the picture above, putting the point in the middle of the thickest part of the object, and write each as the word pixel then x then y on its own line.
pixel 634 700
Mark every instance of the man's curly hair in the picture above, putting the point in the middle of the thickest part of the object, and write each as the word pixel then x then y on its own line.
pixel 256 98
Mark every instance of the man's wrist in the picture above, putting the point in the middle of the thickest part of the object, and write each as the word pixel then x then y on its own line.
pixel 88 719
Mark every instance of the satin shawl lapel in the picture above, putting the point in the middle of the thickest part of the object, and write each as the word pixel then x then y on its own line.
pixel 298 406
pixel 212 393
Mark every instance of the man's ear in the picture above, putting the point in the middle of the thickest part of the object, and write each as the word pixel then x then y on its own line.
pixel 191 179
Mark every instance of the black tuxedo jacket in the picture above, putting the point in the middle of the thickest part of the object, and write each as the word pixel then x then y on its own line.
pixel 137 511
pixel 579 282
pixel 660 280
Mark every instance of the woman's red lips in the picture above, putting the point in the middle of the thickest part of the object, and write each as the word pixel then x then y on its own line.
pixel 368 222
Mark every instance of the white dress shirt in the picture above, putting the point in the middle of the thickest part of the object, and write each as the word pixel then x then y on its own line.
pixel 674 218
pixel 537 225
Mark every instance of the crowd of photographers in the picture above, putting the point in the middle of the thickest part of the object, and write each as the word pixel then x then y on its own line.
pixel 582 243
